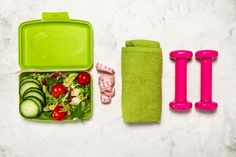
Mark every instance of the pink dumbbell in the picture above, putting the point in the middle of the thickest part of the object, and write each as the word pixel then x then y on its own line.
pixel 206 57
pixel 181 57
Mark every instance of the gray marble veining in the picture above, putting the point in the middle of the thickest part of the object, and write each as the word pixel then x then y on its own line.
pixel 182 24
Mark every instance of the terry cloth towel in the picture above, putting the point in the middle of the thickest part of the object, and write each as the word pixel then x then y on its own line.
pixel 141 81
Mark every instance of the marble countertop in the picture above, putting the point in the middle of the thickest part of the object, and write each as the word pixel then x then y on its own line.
pixel 182 24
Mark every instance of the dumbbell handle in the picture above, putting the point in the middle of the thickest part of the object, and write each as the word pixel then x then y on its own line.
pixel 206 80
pixel 180 79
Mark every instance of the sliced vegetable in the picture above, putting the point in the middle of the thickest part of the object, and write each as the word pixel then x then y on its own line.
pixel 29 79
pixel 35 94
pixel 39 103
pixel 28 85
pixel 29 108
pixel 34 89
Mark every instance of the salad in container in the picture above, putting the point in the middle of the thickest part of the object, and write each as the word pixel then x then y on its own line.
pixel 55 95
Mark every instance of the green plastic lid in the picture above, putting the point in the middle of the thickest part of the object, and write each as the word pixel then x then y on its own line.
pixel 56 42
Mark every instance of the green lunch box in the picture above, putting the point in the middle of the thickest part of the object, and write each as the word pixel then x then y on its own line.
pixel 55 43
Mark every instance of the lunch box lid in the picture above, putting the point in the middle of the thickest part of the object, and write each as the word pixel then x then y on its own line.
pixel 55 42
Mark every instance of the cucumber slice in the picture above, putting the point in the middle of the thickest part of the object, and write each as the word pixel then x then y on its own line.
pixel 39 102
pixel 35 94
pixel 34 89
pixel 29 108
pixel 29 79
pixel 28 85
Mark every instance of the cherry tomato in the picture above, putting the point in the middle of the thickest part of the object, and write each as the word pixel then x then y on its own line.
pixel 83 78
pixel 57 90
pixel 59 113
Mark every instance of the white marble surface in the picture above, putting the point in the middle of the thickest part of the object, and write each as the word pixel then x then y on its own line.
pixel 182 24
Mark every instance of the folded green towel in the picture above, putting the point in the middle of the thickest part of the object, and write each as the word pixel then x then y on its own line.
pixel 141 81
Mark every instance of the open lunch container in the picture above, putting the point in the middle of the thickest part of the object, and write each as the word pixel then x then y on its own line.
pixel 55 50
